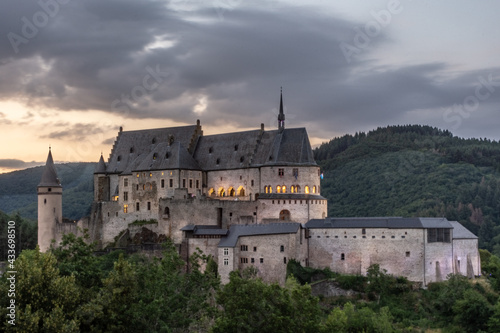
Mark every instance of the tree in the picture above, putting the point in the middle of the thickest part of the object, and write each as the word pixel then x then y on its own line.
pixel 473 311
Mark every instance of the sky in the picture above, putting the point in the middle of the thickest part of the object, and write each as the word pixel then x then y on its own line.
pixel 73 72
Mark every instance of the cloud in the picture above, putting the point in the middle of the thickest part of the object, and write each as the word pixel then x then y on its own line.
pixel 17 164
pixel 155 60
pixel 76 132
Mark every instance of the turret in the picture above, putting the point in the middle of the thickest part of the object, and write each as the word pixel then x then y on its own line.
pixel 49 204
pixel 101 181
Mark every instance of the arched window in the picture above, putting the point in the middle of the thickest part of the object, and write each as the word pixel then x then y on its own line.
pixel 166 212
pixel 283 188
pixel 211 192
pixel 266 190
pixel 241 191
pixel 278 189
pixel 306 189
pixel 297 188
pixel 270 189
pixel 314 189
pixel 285 215
pixel 221 192
pixel 292 189
pixel 231 192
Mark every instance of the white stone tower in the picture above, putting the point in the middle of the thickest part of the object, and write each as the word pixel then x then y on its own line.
pixel 49 205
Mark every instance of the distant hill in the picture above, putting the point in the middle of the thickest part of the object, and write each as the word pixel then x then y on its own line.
pixel 415 171
pixel 18 190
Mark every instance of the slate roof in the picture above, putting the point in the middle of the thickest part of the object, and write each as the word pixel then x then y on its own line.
pixel 460 232
pixel 293 196
pixel 101 166
pixel 145 150
pixel 380 222
pixel 205 230
pixel 49 176
pixel 132 147
pixel 237 231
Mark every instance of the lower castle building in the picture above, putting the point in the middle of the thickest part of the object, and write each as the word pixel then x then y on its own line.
pixel 249 198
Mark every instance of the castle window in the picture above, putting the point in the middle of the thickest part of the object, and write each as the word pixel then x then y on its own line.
pixel 171 182
pixel 217 161
pixel 281 172
pixel 197 183
pixel 137 206
pixel 137 175
pixel 392 237
pixel 131 150
pixel 222 193
pixel 292 189
pixel 242 158
pixel 270 189
pixel 211 192
pixel 210 150
pixel 45 201
pixel 407 253
pixel 137 187
pixel 282 248
pixel 283 189
pixel 284 260
pixel 284 215
pixel 261 260
pixel 363 231
pixel 278 189
pixel 166 212
pixel 314 189
pixel 271 158
pixel 241 191
pixel 306 189
pixel 150 174
pixel 162 183
pixel 232 192
pixel 244 260
pixel 125 182
pixel 50 189
pixel 226 251
pixel 119 158
pixel 295 172
pixel 244 247
pixel 255 249
pixel 252 260
pixel 155 155
pixel 144 187
pixel 149 205
pixel 153 141
pixel 265 189
pixel 235 147
pixel 190 183
pixel 438 235
pixel 342 256
pixel 125 209
pixel 183 183
pixel 251 182
pixel 167 155
pixel 125 196
pixel 297 189
pixel 226 262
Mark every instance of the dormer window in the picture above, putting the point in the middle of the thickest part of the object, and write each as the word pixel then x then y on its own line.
pixel 153 141
pixel 119 158
pixel 210 150
pixel 131 150
pixel 235 147
pixel 217 161
pixel 155 155
pixel 167 155
pixel 242 158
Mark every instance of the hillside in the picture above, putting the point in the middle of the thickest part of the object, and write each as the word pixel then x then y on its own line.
pixel 415 171
pixel 18 190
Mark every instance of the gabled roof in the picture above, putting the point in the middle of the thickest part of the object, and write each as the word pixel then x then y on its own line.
pixel 167 156
pixel 380 222
pixel 460 232
pixel 129 145
pixel 238 231
pixel 49 176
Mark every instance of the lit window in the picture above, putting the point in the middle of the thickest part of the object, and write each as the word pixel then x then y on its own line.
pixel 292 189
pixel 314 189
pixel 306 189
pixel 125 208
pixel 278 189
pixel 270 189
pixel 283 189
pixel 150 174
pixel 266 189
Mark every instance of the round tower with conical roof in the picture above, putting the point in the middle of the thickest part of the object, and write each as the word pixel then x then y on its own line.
pixel 49 205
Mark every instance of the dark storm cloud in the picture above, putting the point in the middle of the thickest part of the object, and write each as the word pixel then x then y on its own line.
pixel 93 55
pixel 75 132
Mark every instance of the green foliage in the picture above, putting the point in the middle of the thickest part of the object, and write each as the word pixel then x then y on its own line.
pixel 26 232
pixel 250 305
pixel 143 222
pixel 350 319
pixel 18 190
pixel 472 311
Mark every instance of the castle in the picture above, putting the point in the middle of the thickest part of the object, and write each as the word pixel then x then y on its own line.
pixel 249 198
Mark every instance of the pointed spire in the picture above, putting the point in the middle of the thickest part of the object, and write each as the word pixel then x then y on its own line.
pixel 281 116
pixel 49 176
pixel 101 166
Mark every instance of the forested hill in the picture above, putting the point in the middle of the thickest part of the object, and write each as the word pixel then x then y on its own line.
pixel 415 171
pixel 18 190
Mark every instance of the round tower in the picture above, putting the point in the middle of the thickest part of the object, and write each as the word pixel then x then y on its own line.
pixel 49 205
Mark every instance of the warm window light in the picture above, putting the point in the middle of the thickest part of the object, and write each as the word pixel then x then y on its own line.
pixel 283 188
pixel 125 208
pixel 306 189
pixel 270 189
pixel 278 189
pixel 314 189
pixel 292 189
